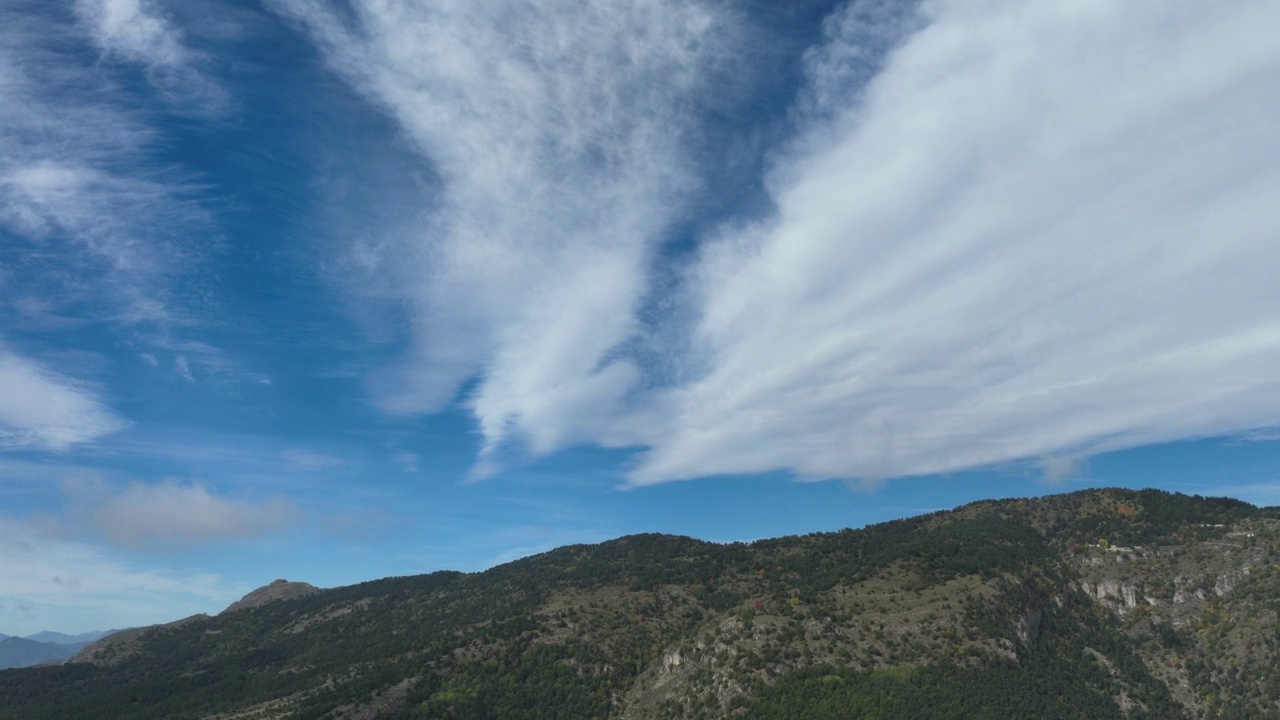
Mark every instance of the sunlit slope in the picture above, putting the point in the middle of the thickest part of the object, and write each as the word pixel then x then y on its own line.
pixel 1089 605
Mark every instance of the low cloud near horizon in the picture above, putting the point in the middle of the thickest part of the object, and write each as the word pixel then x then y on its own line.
pixel 169 514
pixel 70 586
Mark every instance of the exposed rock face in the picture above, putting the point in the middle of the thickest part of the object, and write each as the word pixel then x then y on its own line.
pixel 1226 582
pixel 1116 592
pixel 1175 579
pixel 277 590
pixel 1185 595
pixel 1028 629
pixel 671 660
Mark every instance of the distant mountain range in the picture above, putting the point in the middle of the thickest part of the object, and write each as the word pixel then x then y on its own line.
pixel 43 647
pixel 1098 604
pixel 48 636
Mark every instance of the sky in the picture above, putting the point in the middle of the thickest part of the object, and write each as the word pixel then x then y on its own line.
pixel 333 290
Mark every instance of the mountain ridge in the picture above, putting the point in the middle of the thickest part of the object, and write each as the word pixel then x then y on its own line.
pixel 1101 603
pixel 17 652
pixel 50 636
pixel 43 647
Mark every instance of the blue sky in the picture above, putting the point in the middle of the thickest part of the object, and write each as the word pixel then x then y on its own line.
pixel 335 290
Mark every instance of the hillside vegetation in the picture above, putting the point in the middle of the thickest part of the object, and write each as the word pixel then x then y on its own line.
pixel 1097 604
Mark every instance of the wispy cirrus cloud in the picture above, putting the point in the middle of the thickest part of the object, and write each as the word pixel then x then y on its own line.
pixel 98 231
pixel 41 409
pixel 91 217
pixel 198 362
pixel 1266 434
pixel 142 33
pixel 1002 232
pixel 559 133
pixel 1048 229
pixel 137 30
pixel 50 201
pixel 310 459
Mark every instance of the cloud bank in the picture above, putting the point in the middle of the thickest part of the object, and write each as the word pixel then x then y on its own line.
pixel 54 582
pixel 1037 231
pixel 1047 229
pixel 171 514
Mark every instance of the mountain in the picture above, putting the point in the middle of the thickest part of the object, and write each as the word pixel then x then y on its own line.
pixel 43 647
pixel 121 644
pixel 116 646
pixel 48 636
pixel 16 652
pixel 277 590
pixel 1097 604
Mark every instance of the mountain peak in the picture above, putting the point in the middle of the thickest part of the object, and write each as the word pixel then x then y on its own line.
pixel 280 589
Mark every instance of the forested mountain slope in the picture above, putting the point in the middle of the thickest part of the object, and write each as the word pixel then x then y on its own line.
pixel 1096 604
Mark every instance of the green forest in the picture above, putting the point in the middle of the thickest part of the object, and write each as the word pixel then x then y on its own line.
pixel 993 610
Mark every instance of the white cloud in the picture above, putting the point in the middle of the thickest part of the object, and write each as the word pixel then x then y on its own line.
pixel 1270 434
pixel 51 582
pixel 183 367
pixel 171 513
pixel 1060 468
pixel 93 219
pixel 142 33
pixel 198 362
pixel 45 198
pixel 1041 231
pixel 99 231
pixel 1050 228
pixel 42 409
pixel 311 460
pixel 136 29
pixel 557 130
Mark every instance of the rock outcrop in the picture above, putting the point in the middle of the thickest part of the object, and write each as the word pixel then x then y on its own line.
pixel 277 590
